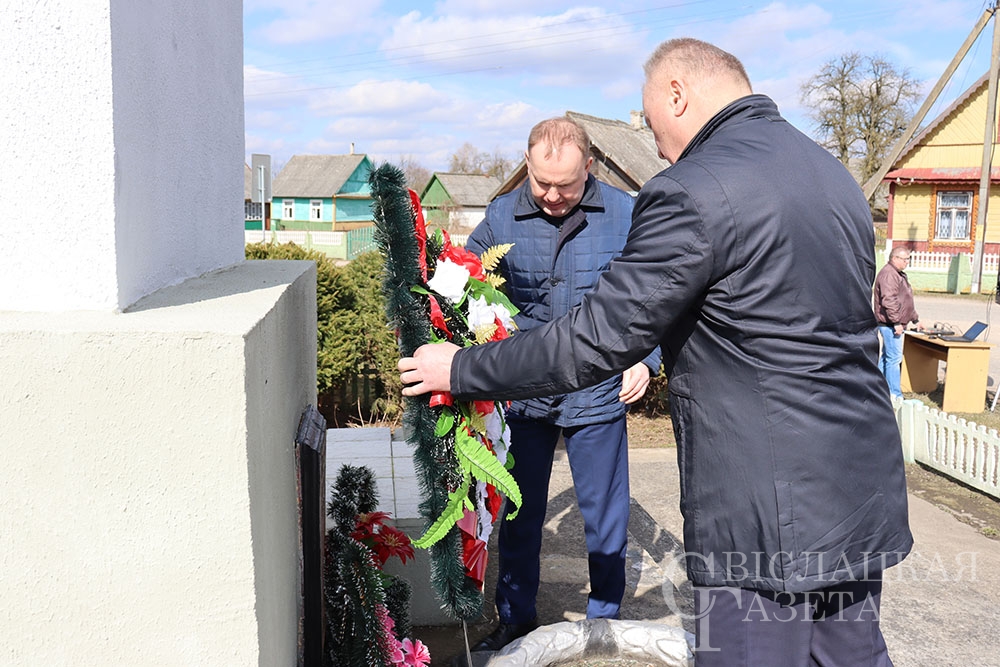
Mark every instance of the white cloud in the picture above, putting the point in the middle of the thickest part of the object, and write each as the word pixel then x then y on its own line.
pixel 373 97
pixel 578 46
pixel 303 21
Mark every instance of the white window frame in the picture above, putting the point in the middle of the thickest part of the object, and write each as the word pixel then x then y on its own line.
pixel 288 209
pixel 315 210
pixel 945 216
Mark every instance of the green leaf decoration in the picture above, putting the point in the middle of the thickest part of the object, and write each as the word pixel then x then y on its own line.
pixel 482 464
pixel 452 513
pixel 444 423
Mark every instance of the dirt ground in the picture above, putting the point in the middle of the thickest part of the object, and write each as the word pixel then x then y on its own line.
pixel 977 509
pixel 967 505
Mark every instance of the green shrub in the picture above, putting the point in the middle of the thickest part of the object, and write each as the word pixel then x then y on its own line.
pixel 354 346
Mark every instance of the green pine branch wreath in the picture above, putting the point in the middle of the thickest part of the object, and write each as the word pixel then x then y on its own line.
pixel 460 453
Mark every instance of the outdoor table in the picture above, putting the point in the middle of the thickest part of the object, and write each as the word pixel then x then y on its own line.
pixel 965 375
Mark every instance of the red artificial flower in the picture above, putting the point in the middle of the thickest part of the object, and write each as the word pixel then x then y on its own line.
pixel 421 233
pixel 437 316
pixel 368 524
pixel 474 551
pixel 392 542
pixel 484 407
pixel 501 331
pixel 441 398
pixel 493 501
pixel 384 541
pixel 463 257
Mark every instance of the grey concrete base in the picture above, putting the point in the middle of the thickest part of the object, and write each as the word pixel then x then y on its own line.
pixel 598 638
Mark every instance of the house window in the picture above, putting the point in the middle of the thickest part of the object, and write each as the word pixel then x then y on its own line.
pixel 288 209
pixel 316 209
pixel 954 213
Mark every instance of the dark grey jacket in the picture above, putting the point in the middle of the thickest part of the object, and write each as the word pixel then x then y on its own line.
pixel 552 265
pixel 750 263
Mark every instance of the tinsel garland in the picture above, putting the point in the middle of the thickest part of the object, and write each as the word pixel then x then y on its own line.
pixel 435 291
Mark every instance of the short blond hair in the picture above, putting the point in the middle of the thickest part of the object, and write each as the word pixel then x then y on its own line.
pixel 557 132
pixel 697 59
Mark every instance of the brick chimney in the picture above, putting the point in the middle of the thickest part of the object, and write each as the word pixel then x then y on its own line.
pixel 638 119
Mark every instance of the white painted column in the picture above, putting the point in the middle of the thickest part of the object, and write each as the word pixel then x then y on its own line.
pixel 121 148
pixel 151 380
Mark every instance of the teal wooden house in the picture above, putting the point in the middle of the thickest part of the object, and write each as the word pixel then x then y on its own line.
pixel 457 201
pixel 322 193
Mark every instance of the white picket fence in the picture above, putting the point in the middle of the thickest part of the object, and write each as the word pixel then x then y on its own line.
pixel 301 238
pixel 958 448
pixel 941 261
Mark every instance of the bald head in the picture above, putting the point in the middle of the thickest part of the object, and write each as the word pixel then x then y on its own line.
pixel 687 82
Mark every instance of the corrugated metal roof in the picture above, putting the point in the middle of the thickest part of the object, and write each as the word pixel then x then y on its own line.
pixel 468 189
pixel 314 175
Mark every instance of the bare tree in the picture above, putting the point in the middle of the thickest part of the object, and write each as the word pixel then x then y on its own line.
pixel 470 160
pixel 499 165
pixel 417 175
pixel 861 105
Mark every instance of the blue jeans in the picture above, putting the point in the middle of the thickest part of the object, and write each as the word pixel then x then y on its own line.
pixel 891 359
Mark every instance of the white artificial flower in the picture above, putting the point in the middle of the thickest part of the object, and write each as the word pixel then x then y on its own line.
pixel 449 280
pixel 482 313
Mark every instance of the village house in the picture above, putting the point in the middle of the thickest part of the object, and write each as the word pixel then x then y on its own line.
pixel 934 184
pixel 322 193
pixel 457 202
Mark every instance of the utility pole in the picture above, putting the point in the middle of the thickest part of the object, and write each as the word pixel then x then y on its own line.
pixel 987 164
pixel 876 179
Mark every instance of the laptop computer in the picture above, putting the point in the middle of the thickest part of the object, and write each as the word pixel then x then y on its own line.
pixel 969 336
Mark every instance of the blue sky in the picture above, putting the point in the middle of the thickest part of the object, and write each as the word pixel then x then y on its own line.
pixel 419 79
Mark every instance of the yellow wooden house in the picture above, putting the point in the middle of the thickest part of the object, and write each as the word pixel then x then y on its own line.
pixel 934 184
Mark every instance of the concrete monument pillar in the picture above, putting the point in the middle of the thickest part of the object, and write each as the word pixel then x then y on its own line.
pixel 151 380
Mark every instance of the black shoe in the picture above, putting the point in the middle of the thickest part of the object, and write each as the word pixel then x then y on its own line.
pixel 504 634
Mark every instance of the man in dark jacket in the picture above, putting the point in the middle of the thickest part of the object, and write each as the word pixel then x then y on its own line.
pixel 894 311
pixel 750 263
pixel 566 228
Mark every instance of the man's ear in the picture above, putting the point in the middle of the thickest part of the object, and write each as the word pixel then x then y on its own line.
pixel 678 97
pixel 590 161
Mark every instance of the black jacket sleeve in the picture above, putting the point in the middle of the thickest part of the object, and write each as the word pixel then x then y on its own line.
pixel 665 268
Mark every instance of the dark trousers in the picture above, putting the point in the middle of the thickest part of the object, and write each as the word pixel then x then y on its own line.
pixel 833 627
pixel 598 459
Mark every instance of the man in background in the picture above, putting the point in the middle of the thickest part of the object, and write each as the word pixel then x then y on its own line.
pixel 894 311
pixel 566 227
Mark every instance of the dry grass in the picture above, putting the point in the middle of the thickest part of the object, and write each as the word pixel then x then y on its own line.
pixel 649 432
pixel 985 418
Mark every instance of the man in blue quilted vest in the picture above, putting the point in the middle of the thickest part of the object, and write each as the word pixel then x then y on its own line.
pixel 566 228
